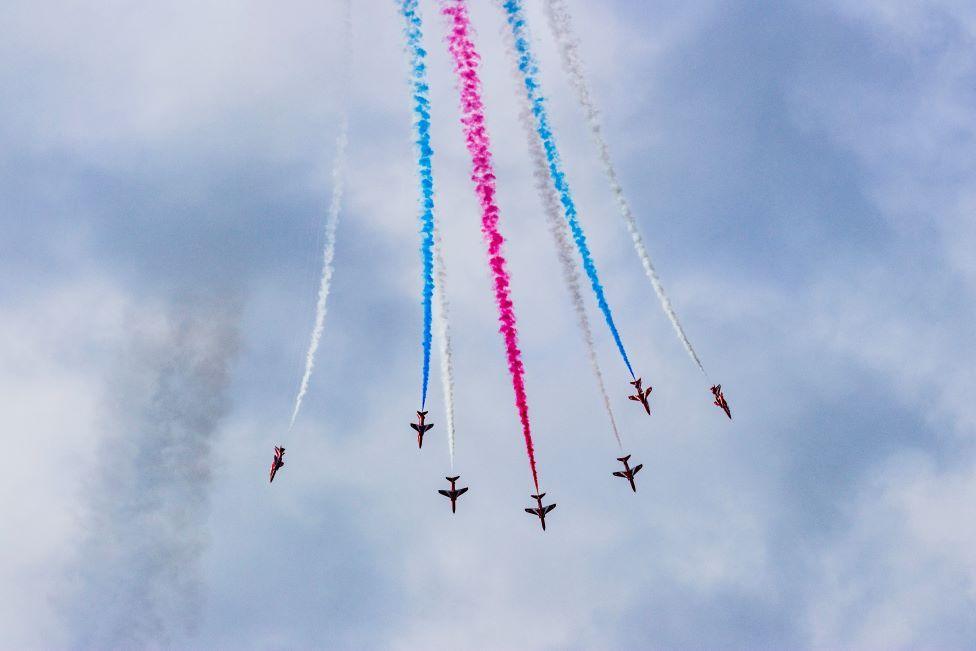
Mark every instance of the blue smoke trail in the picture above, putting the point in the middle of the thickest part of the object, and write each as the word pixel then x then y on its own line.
pixel 530 70
pixel 421 123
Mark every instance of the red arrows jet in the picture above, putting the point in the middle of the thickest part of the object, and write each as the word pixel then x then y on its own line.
pixel 641 395
pixel 628 472
pixel 720 400
pixel 454 493
pixel 542 510
pixel 421 428
pixel 278 462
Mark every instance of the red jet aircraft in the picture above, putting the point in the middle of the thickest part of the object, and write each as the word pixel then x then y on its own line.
pixel 454 493
pixel 278 462
pixel 541 511
pixel 421 428
pixel 628 472
pixel 641 395
pixel 720 401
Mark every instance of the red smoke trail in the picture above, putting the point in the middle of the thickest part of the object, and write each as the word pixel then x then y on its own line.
pixel 473 120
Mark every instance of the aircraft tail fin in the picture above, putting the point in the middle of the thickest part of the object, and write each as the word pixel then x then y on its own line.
pixel 538 497
pixel 453 479
pixel 421 414
pixel 622 459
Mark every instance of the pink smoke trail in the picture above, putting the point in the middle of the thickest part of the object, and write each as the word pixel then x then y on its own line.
pixel 473 120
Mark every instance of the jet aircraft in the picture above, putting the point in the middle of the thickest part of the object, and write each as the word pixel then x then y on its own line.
pixel 628 472
pixel 641 395
pixel 454 493
pixel 541 511
pixel 277 463
pixel 720 401
pixel 421 428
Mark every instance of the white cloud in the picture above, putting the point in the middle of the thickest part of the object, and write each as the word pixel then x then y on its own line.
pixel 53 349
pixel 352 546
pixel 907 117
pixel 903 576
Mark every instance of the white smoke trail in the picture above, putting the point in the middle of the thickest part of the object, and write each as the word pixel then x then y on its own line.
pixel 565 249
pixel 443 329
pixel 331 220
pixel 561 25
pixel 328 255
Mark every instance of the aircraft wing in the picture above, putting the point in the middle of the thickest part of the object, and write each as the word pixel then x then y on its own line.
pixel 634 398
pixel 619 473
pixel 462 491
pixel 532 511
pixel 549 508
pixel 444 493
pixel 637 468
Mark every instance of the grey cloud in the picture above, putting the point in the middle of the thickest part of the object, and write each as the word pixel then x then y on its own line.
pixel 138 575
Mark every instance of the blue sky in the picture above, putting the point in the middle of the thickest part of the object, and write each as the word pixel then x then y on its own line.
pixel 803 176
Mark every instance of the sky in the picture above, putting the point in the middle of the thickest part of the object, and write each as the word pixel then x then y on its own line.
pixel 804 178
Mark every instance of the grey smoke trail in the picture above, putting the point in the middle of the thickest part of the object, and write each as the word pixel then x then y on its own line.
pixel 138 580
pixel 328 256
pixel 561 25
pixel 443 328
pixel 565 249
pixel 566 253
pixel 331 220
